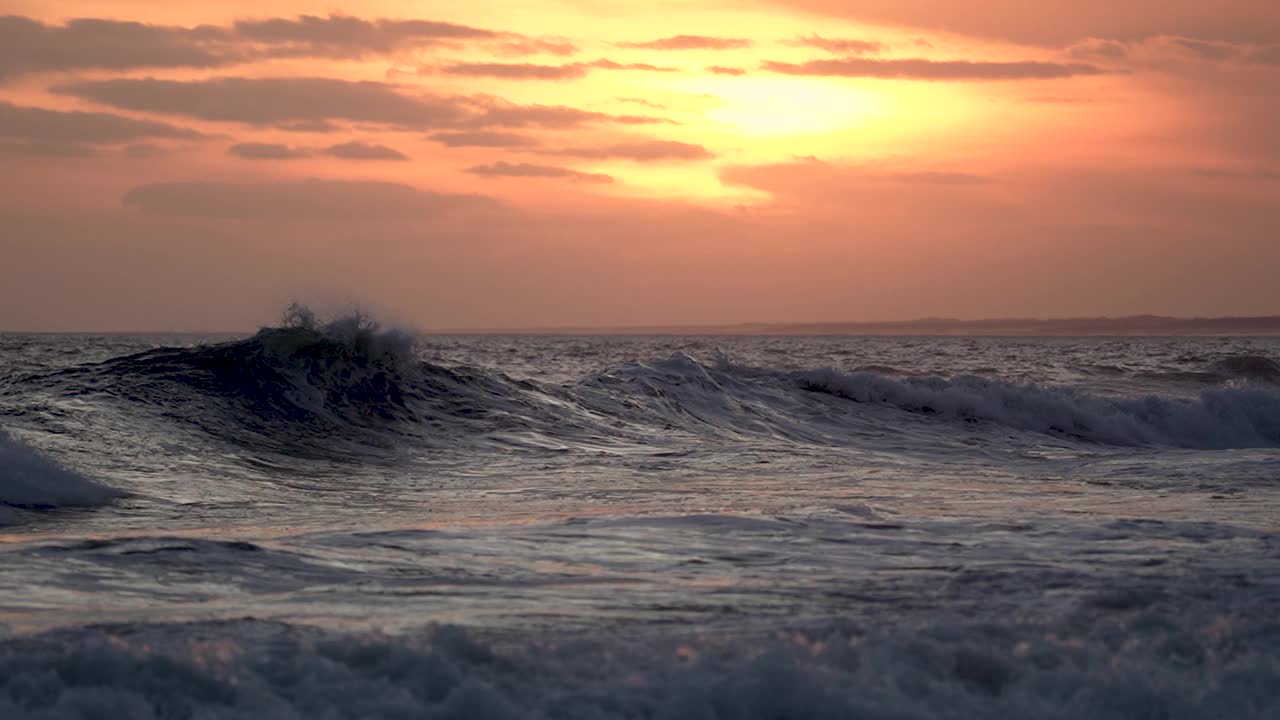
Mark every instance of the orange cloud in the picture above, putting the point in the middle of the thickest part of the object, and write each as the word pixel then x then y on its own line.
pixel 690 42
pixel 38 131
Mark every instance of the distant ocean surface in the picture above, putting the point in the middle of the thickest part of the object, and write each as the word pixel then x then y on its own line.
pixel 330 521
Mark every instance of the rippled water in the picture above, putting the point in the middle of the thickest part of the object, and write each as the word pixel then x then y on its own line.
pixel 336 522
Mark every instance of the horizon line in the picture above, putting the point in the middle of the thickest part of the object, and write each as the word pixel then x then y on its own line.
pixel 1103 325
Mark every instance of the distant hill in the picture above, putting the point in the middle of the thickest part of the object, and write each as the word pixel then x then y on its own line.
pixel 1141 325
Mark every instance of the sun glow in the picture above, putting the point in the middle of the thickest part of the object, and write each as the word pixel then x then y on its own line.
pixel 782 106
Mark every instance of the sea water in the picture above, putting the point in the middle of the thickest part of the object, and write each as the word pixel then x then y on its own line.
pixel 339 521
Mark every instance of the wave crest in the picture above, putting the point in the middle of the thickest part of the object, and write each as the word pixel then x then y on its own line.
pixel 1218 419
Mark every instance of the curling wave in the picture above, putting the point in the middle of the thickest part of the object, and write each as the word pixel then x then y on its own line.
pixel 684 393
pixel 336 388
pixel 1219 419
pixel 309 387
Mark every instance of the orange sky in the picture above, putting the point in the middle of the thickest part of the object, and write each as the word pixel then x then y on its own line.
pixel 523 163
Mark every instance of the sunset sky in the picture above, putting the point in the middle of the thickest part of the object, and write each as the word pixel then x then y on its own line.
pixel 535 163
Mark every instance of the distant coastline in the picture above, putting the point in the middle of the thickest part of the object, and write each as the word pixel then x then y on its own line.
pixel 1137 325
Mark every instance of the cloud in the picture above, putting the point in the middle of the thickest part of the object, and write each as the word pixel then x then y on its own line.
pixel 39 149
pixel 271 101
pixel 1057 24
pixel 504 114
pixel 345 151
pixel 1059 100
pixel 935 178
pixel 933 70
pixel 519 45
pixel 28 45
pixel 301 200
pixel 143 151
pixel 690 42
pixel 291 101
pixel 643 101
pixel 265 151
pixel 647 151
pixel 606 64
pixel 309 126
pixel 722 70
pixel 839 46
pixel 1099 49
pixel 38 125
pixel 1167 50
pixel 813 182
pixel 1247 175
pixel 526 170
pixel 364 151
pixel 531 71
pixel 484 138
pixel 1269 55
pixel 642 120
pixel 343 36
pixel 516 71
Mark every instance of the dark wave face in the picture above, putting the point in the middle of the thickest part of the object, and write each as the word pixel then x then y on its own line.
pixel 1248 367
pixel 316 406
pixel 340 389
pixel 303 388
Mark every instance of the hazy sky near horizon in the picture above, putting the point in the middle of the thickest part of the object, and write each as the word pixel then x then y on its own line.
pixel 535 163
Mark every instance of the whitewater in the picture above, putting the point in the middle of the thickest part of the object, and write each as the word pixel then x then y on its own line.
pixel 338 520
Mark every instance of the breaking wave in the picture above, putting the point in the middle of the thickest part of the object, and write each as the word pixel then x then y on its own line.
pixel 1218 419
pixel 339 387
pixel 682 391
pixel 307 387
pixel 29 480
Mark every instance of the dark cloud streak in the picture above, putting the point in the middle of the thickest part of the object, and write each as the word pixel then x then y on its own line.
pixel 343 36
pixel 364 151
pixel 289 101
pixel 484 138
pixel 266 151
pixel 40 125
pixel 516 71
pixel 28 45
pixel 932 70
pixel 527 170
pixel 532 71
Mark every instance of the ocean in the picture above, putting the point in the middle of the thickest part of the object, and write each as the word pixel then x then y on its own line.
pixel 342 521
